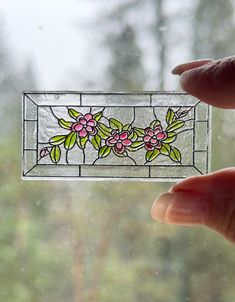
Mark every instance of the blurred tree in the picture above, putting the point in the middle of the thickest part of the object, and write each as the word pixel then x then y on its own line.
pixel 160 40
pixel 126 71
pixel 213 28
pixel 12 81
pixel 30 264
pixel 121 16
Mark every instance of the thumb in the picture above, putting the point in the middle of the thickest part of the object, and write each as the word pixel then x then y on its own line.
pixel 202 200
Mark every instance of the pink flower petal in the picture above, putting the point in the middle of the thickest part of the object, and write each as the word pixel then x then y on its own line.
pixel 124 135
pixel 116 136
pixel 150 132
pixel 126 142
pixel 89 129
pixel 91 123
pixel 161 135
pixel 147 138
pixel 158 146
pixel 44 152
pixel 119 150
pixel 119 145
pixel 110 141
pixel 149 147
pixel 77 127
pixel 82 121
pixel 157 129
pixel 83 133
pixel 88 116
pixel 153 141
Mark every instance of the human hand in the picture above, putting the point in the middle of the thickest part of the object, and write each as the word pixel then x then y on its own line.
pixel 209 199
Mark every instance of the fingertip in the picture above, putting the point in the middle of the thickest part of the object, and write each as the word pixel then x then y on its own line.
pixel 183 208
pixel 179 69
pixel 201 200
pixel 160 206
pixel 212 83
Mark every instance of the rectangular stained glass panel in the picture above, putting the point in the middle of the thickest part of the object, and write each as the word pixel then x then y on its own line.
pixel 162 136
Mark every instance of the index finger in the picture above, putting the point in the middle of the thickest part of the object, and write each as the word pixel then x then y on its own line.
pixel 212 82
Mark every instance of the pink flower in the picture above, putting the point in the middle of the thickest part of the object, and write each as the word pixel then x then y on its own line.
pixel 44 152
pixel 85 125
pixel 154 137
pixel 119 141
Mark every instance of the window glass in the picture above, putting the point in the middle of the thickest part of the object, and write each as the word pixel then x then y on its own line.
pixel 96 241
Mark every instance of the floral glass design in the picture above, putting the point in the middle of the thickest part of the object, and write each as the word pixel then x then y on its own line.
pixel 130 140
pixel 116 137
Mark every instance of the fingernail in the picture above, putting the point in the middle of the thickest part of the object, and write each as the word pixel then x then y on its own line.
pixel 186 208
pixel 179 69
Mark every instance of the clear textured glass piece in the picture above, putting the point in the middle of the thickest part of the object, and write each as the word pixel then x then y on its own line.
pixel 92 135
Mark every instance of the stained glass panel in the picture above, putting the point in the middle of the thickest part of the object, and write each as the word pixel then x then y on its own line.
pixel 90 135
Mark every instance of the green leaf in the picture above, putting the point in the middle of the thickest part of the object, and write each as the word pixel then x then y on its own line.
pixel 170 116
pixel 167 146
pixel 175 154
pixel 115 124
pixel 135 146
pixel 133 136
pixel 57 140
pixel 165 149
pixel 127 127
pixel 96 141
pixel 104 151
pixel 139 131
pixel 81 141
pixel 154 124
pixel 175 125
pixel 97 116
pixel 70 140
pixel 55 154
pixel 171 137
pixel 74 113
pixel 103 130
pixel 101 134
pixel 64 124
pixel 151 155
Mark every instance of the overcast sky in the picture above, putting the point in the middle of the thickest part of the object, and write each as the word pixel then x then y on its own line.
pixel 48 32
pixel 60 38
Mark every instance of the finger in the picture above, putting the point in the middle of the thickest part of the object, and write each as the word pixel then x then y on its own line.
pixel 178 70
pixel 202 200
pixel 213 82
